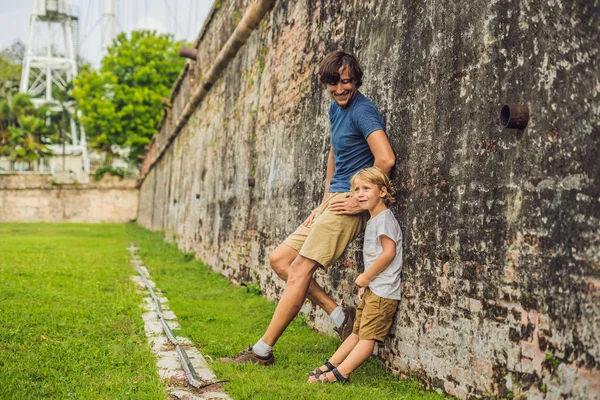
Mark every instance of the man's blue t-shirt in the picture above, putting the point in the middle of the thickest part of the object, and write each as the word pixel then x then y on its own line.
pixel 350 128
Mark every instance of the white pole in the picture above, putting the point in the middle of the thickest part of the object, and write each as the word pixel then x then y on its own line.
pixel 70 46
pixel 27 60
pixel 108 24
pixel 73 127
pixel 49 68
pixel 83 142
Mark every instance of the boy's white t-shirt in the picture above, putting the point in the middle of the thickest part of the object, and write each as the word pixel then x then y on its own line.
pixel 387 283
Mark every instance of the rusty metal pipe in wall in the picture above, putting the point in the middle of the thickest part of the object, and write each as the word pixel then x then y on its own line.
pixel 188 52
pixel 515 116
pixel 254 14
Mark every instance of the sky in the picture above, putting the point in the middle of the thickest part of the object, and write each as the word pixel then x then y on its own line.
pixel 183 18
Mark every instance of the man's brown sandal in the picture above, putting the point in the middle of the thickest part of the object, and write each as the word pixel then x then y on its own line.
pixel 316 372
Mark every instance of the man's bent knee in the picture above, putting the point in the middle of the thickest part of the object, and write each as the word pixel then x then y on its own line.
pixel 280 260
pixel 301 268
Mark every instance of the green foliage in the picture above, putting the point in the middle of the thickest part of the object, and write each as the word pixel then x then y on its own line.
pixel 261 60
pixel 14 53
pixel 251 288
pixel 551 361
pixel 121 103
pixel 9 77
pixel 11 59
pixel 108 169
pixel 189 256
pixel 23 130
pixel 237 17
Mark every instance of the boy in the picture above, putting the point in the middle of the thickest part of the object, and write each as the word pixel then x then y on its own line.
pixel 380 283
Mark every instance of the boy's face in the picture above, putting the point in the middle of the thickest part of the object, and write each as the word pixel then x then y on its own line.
pixel 343 91
pixel 368 194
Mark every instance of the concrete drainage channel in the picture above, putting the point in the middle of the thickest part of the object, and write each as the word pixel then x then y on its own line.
pixel 179 362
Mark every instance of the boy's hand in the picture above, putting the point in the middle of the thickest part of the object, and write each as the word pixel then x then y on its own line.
pixel 362 280
pixel 361 293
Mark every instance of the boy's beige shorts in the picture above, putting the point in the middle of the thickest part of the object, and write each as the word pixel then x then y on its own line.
pixel 329 235
pixel 374 317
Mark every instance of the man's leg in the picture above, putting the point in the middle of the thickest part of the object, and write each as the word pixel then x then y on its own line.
pixel 342 318
pixel 292 299
pixel 281 259
pixel 299 277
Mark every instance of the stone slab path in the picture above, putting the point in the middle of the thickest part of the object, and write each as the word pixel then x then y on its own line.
pixel 168 362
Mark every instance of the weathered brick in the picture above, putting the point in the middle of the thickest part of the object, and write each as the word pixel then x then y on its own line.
pixel 513 359
pixel 481 366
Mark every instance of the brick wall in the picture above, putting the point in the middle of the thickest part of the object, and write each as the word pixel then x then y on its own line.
pixel 33 197
pixel 502 238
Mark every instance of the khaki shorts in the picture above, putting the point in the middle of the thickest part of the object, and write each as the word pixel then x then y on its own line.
pixel 374 317
pixel 329 235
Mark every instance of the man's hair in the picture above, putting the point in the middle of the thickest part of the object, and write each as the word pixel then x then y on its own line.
pixel 376 176
pixel 329 69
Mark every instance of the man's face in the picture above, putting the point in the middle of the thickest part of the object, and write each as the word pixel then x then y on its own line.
pixel 344 90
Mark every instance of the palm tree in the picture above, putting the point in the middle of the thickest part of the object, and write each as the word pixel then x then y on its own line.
pixel 23 134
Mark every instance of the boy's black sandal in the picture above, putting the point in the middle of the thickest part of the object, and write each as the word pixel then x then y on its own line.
pixel 318 371
pixel 338 376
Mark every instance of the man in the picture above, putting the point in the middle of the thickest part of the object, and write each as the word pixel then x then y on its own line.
pixel 358 140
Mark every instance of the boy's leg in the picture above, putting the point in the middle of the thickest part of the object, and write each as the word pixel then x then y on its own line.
pixel 344 350
pixel 340 354
pixel 281 259
pixel 361 353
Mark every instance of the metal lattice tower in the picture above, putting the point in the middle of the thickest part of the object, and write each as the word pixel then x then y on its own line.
pixel 108 24
pixel 51 61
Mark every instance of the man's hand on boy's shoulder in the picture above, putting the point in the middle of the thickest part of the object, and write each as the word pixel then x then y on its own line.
pixel 348 206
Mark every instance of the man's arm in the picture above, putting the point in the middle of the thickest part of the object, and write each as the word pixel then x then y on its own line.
pixel 382 151
pixel 384 160
pixel 330 170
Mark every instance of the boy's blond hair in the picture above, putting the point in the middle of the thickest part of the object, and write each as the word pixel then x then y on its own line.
pixel 376 176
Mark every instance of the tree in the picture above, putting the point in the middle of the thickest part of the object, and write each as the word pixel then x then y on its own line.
pixel 15 53
pixel 11 59
pixel 23 130
pixel 121 103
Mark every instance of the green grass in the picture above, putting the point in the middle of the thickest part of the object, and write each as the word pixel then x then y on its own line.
pixel 222 319
pixel 70 317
